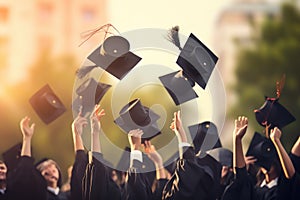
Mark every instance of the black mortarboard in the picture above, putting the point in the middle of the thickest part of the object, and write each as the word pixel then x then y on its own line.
pixel 263 150
pixel 114 57
pixel 124 161
pixel 11 156
pixel 273 114
pixel 222 155
pixel 47 105
pixel 148 167
pixel 205 136
pixel 171 163
pixel 90 92
pixel 178 87
pixel 197 61
pixel 136 116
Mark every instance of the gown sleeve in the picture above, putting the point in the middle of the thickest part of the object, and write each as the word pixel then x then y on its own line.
pixel 191 179
pixel 26 182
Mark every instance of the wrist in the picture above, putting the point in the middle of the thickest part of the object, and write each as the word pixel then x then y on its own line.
pixel 238 138
pixel 27 138
pixel 134 147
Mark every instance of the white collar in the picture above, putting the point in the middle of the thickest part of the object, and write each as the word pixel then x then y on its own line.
pixel 271 184
pixel 53 190
pixel 2 191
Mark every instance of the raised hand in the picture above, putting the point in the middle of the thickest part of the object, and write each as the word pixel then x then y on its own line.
pixel 26 129
pixel 95 117
pixel 134 138
pixel 78 124
pixel 241 125
pixel 275 134
pixel 153 154
pixel 177 127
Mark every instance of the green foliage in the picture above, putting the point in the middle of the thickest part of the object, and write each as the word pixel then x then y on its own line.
pixel 53 140
pixel 275 52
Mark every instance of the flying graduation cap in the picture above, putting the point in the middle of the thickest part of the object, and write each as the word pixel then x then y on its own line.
pixel 47 105
pixel 205 136
pixel 113 56
pixel 178 87
pixel 90 92
pixel 196 60
pixel 272 114
pixel 136 116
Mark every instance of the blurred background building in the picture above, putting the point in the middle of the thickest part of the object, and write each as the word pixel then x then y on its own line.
pixel 236 26
pixel 31 28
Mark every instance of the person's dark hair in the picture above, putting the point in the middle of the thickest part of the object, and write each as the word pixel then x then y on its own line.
pixel 277 168
pixel 41 166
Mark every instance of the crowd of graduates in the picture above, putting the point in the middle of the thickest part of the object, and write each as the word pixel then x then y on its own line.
pixel 202 168
pixel 196 174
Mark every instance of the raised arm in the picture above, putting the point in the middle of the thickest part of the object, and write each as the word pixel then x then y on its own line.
pixel 27 132
pixel 77 129
pixel 286 163
pixel 95 117
pixel 180 133
pixel 157 159
pixel 240 129
pixel 296 148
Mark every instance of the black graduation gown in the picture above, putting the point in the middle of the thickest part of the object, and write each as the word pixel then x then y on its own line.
pixel 3 196
pixel 97 181
pixel 78 171
pixel 289 188
pixel 59 196
pixel 92 180
pixel 243 188
pixel 137 186
pixel 296 162
pixel 26 182
pixel 194 178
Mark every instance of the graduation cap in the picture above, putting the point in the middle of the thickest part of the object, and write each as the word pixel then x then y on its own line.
pixel 205 136
pixel 263 150
pixel 113 56
pixel 47 105
pixel 11 156
pixel 222 155
pixel 196 60
pixel 170 164
pixel 148 167
pixel 178 87
pixel 273 114
pixel 136 116
pixel 90 92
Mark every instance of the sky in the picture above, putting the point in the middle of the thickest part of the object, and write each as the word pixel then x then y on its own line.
pixel 195 16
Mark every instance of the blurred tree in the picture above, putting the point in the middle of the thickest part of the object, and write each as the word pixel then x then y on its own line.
pixel 275 51
pixel 53 140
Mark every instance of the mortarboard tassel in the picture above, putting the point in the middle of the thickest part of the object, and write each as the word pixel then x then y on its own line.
pixel 83 71
pixel 279 86
pixel 173 36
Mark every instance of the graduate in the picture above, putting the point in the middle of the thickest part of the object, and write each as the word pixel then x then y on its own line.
pixel 3 172
pixel 26 182
pixel 194 177
pixel 137 185
pixel 90 171
pixel 279 178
